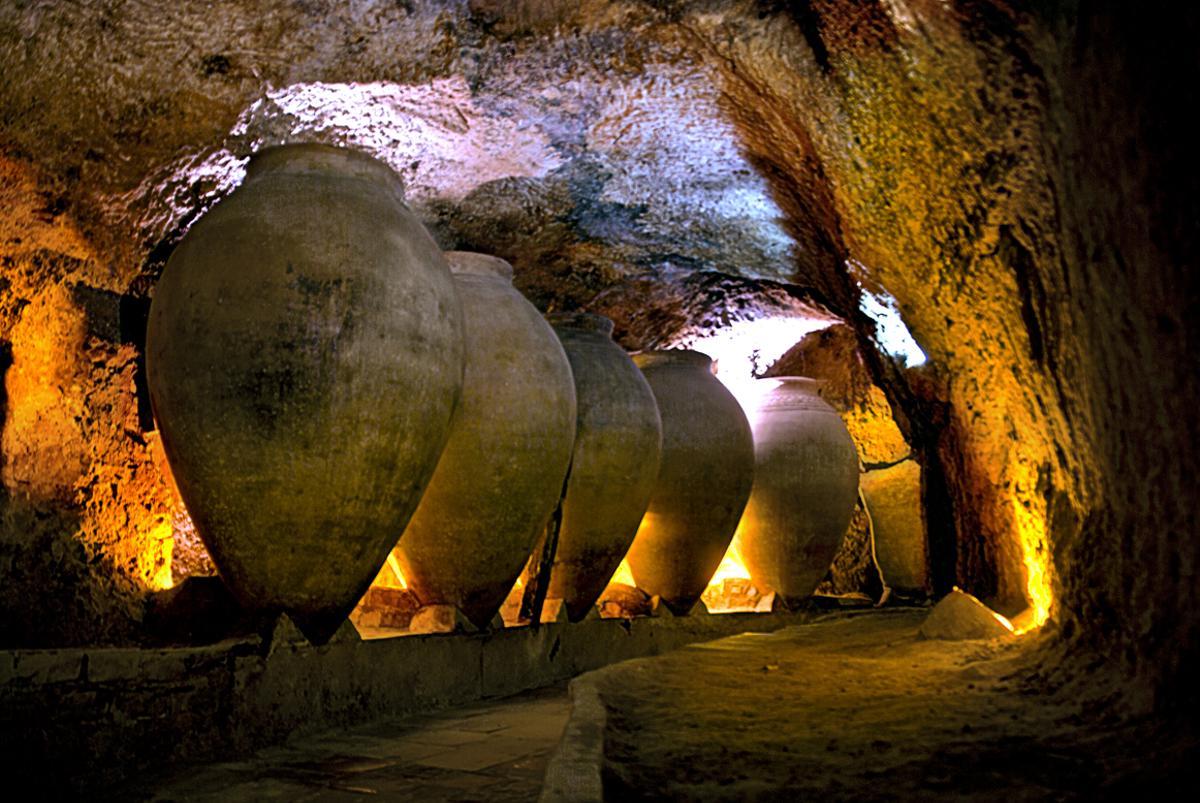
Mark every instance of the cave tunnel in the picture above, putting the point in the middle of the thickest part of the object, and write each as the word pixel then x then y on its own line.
pixel 973 221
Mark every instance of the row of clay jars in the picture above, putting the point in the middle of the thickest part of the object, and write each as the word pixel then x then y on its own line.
pixel 317 326
pixel 285 303
pixel 304 358
pixel 783 493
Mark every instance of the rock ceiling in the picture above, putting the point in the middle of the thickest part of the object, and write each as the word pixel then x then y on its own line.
pixel 596 158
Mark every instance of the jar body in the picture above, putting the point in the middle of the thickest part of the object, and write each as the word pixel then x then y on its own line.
pixel 501 473
pixel 805 489
pixel 304 357
pixel 618 441
pixel 703 482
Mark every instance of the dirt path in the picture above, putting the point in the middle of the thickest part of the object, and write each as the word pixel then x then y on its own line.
pixel 860 708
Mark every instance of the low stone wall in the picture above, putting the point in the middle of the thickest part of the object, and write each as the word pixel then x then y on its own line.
pixel 86 719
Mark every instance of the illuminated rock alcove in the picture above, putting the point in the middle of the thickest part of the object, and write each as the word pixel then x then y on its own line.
pixel 975 220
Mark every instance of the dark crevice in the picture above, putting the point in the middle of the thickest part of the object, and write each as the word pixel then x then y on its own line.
pixel 809 23
pixel 6 361
pixel 886 464
pixel 1032 292
pixel 134 317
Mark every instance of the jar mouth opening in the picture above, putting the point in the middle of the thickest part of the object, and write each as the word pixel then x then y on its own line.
pixel 679 357
pixel 581 322
pixel 470 263
pixel 317 157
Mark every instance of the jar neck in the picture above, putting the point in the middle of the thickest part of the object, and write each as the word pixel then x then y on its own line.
pixel 794 393
pixel 483 266
pixel 673 358
pixel 798 384
pixel 581 322
pixel 315 158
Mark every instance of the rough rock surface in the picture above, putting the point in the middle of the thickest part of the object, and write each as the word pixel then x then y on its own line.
pixel 853 567
pixel 85 513
pixel 1019 178
pixel 893 497
pixel 958 616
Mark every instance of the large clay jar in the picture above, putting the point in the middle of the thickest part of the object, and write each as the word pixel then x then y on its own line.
pixel 703 482
pixel 614 465
pixel 304 357
pixel 501 474
pixel 805 488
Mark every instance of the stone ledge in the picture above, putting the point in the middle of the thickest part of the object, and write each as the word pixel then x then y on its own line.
pixel 86 719
pixel 574 773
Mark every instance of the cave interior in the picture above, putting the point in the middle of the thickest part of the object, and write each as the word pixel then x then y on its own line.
pixel 976 220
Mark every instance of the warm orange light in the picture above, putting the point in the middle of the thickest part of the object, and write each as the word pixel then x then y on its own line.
pixel 390 575
pixel 1031 536
pixel 731 568
pixel 731 589
pixel 623 575
pixel 163 578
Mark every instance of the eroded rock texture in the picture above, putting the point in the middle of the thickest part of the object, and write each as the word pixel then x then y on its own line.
pixel 84 509
pixel 1018 180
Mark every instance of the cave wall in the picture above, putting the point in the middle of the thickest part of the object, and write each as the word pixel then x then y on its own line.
pixel 84 508
pixel 1127 182
pixel 1019 180
pixel 1015 175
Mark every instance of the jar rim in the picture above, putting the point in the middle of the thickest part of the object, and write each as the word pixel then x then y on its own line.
pixel 303 157
pixel 678 357
pixel 797 381
pixel 581 322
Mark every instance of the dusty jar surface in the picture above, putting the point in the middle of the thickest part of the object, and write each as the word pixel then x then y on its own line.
pixel 805 488
pixel 501 473
pixel 703 481
pixel 618 442
pixel 304 356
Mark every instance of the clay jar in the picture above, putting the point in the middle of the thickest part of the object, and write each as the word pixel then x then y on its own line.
pixel 304 357
pixel 618 439
pixel 703 482
pixel 805 488
pixel 501 474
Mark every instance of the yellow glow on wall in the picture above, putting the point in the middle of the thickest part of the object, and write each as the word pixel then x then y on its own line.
pixel 164 535
pixel 390 575
pixel 1031 537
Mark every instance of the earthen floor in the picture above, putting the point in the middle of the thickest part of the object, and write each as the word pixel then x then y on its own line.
pixel 861 708
pixel 493 751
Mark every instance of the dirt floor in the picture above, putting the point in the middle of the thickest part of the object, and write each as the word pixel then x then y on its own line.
pixel 861 708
